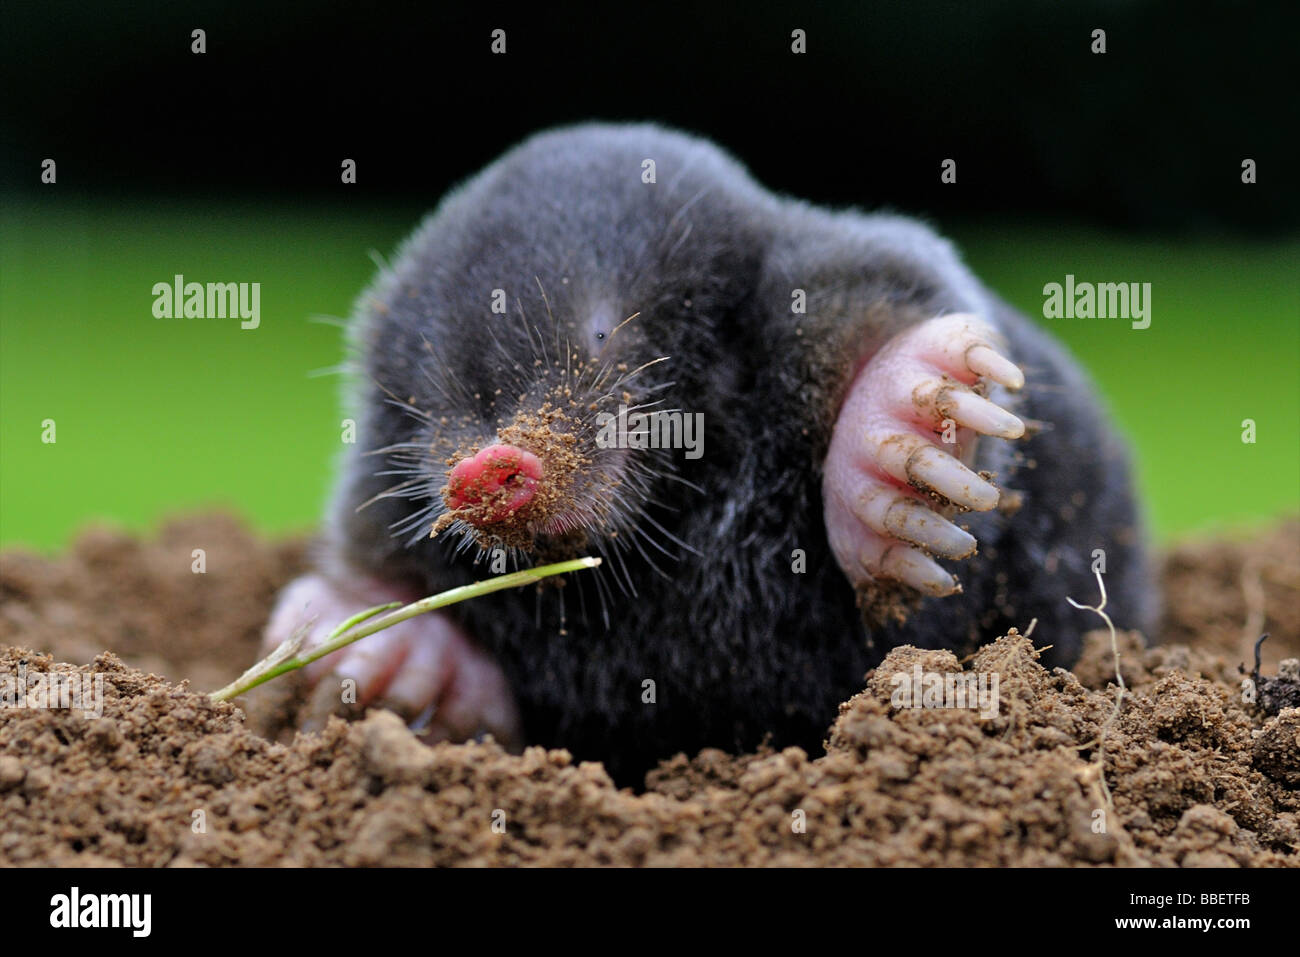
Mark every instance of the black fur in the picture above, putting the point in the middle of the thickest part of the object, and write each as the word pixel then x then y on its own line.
pixel 737 644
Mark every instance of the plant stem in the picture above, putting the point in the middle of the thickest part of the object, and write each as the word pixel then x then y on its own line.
pixel 287 656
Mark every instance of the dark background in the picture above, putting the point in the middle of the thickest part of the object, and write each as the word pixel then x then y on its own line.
pixel 1124 166
pixel 1151 134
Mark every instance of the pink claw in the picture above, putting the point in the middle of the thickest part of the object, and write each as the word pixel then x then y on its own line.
pixel 888 472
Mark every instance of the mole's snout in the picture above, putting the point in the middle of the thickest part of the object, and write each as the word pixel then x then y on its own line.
pixel 494 483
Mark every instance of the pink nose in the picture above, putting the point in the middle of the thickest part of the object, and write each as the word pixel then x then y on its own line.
pixel 502 476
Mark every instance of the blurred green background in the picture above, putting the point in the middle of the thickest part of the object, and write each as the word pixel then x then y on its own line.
pixel 224 166
pixel 157 416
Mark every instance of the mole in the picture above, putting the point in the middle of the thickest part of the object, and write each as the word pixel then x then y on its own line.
pixel 887 454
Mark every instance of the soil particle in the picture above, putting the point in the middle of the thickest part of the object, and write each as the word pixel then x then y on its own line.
pixel 1276 751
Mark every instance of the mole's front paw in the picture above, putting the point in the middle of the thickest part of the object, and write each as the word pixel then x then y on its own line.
pixel 426 668
pixel 889 471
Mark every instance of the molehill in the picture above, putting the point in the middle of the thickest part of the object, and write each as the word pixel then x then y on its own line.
pixel 1194 776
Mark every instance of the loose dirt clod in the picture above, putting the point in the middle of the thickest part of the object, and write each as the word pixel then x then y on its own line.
pixel 1198 778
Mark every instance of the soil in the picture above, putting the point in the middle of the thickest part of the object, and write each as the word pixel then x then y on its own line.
pixel 1186 773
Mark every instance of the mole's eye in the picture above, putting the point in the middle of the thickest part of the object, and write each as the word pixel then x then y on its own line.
pixel 600 335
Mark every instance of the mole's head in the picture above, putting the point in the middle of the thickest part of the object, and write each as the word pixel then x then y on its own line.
pixel 526 433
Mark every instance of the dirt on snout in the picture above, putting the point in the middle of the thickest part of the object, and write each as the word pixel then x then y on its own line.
pixel 483 504
pixel 1186 772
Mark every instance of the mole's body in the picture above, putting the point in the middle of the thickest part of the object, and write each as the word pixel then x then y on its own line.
pixel 838 362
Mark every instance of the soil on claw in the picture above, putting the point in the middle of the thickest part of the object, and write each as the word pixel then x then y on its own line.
pixel 884 602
